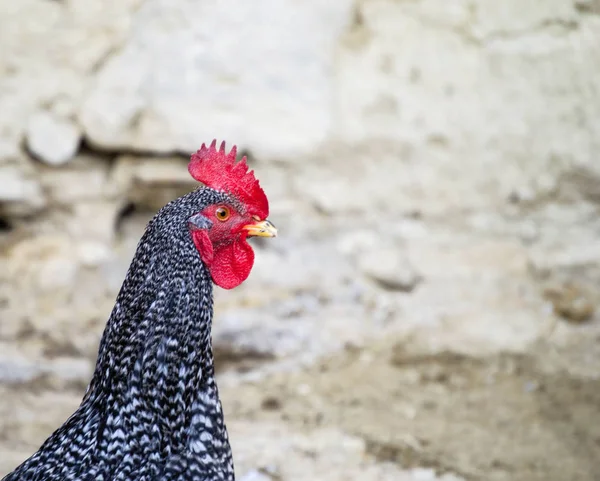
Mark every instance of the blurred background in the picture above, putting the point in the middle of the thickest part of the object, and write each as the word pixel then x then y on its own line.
pixel 429 308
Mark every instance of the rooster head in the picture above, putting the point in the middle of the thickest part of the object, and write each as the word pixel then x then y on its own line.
pixel 220 231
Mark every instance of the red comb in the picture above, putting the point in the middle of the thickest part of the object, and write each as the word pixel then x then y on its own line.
pixel 218 170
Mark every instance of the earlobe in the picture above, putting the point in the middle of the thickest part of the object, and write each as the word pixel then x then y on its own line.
pixel 199 226
pixel 204 246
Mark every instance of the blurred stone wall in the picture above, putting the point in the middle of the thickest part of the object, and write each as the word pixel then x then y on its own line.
pixel 431 166
pixel 357 114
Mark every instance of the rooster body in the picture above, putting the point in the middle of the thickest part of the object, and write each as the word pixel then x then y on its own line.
pixel 152 410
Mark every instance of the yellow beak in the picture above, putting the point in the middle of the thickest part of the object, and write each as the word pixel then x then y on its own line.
pixel 262 228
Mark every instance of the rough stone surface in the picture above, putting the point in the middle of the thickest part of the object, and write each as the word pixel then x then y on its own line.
pixel 20 194
pixel 150 183
pixel 390 268
pixel 52 140
pixel 249 72
pixel 430 308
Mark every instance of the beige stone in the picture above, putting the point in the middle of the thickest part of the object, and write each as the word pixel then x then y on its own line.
pixel 53 140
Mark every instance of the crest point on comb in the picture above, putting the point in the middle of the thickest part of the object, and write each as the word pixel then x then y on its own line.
pixel 218 170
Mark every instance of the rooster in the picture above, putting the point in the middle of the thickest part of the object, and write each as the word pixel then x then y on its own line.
pixel 152 409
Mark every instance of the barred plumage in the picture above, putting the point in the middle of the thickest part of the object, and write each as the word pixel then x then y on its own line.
pixel 152 409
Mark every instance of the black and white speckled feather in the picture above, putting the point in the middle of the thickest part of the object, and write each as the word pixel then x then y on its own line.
pixel 152 410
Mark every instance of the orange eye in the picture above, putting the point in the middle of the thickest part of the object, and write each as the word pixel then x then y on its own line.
pixel 222 213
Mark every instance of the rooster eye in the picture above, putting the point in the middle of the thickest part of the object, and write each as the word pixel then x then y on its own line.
pixel 222 213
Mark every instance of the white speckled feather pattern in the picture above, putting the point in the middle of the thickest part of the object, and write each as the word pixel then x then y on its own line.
pixel 152 410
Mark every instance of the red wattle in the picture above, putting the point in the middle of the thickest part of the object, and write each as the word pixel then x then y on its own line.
pixel 231 264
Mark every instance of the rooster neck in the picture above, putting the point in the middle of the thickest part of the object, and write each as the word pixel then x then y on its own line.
pixel 152 409
pixel 154 378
